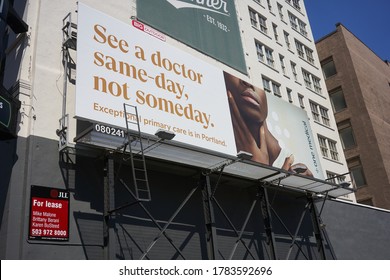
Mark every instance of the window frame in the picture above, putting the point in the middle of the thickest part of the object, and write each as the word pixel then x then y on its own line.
pixel 345 129
pixel 323 66
pixel 332 96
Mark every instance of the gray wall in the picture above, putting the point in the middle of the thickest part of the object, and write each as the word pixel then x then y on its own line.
pixel 357 232
pixel 354 232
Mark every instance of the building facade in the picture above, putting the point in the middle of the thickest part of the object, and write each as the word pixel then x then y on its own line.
pixel 358 84
pixel 281 30
pixel 200 197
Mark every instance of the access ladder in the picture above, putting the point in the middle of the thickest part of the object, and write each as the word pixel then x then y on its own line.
pixel 137 159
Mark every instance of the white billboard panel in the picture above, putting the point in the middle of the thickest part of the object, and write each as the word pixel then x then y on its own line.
pixel 117 63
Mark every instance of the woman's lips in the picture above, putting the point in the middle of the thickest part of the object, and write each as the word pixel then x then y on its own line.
pixel 249 96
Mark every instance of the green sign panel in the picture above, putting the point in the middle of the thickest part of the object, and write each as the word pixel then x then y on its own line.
pixel 208 26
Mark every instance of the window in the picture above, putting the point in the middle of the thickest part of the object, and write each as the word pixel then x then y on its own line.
pixel 304 52
pixel 258 21
pixel 266 85
pixel 280 11
pixel 259 50
pixel 263 24
pixel 333 150
pixel 276 89
pixel 287 39
pixel 289 95
pixel 314 111
pixel 337 99
pixel 302 28
pixel 271 87
pixel 301 101
pixel 269 5
pixel 300 49
pixel 335 178
pixel 320 113
pixel 282 64
pixel 323 146
pixel 296 4
pixel 309 55
pixel 293 21
pixel 328 147
pixel 269 56
pixel 297 24
pixel 324 116
pixel 316 83
pixel 328 68
pixel 264 54
pixel 312 81
pixel 356 169
pixel 275 29
pixel 253 17
pixel 306 78
pixel 346 134
pixel 294 70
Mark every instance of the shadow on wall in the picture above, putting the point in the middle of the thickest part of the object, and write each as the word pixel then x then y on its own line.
pixel 7 162
pixel 136 229
pixel 11 68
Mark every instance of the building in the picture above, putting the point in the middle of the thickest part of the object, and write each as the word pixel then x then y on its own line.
pixel 358 82
pixel 70 187
pixel 283 32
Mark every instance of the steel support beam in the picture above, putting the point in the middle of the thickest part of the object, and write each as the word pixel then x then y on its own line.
pixel 267 220
pixel 317 228
pixel 211 231
pixel 109 218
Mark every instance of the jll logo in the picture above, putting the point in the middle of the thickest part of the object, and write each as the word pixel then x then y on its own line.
pixel 216 6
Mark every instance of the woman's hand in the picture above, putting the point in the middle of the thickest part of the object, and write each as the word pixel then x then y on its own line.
pixel 298 168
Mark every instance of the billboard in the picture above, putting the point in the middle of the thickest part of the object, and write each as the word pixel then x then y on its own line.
pixel 208 26
pixel 117 63
pixel 172 90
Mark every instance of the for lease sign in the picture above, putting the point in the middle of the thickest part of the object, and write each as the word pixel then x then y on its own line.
pixel 49 214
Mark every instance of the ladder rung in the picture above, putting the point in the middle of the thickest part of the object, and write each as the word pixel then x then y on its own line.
pixel 142 180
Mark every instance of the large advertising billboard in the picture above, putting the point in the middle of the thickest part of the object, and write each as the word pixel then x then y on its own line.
pixel 208 26
pixel 172 90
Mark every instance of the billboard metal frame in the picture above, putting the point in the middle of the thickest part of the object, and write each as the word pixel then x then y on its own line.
pixel 210 205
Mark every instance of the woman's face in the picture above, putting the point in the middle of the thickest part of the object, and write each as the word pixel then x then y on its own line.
pixel 250 100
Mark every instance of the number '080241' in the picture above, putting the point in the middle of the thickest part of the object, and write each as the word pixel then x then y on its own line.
pixel 109 130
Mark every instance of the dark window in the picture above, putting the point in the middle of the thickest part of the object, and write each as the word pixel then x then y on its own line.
pixel 338 100
pixel 346 134
pixel 356 169
pixel 328 68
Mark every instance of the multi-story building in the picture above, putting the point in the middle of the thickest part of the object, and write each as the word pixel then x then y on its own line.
pixel 358 82
pixel 69 183
pixel 279 45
